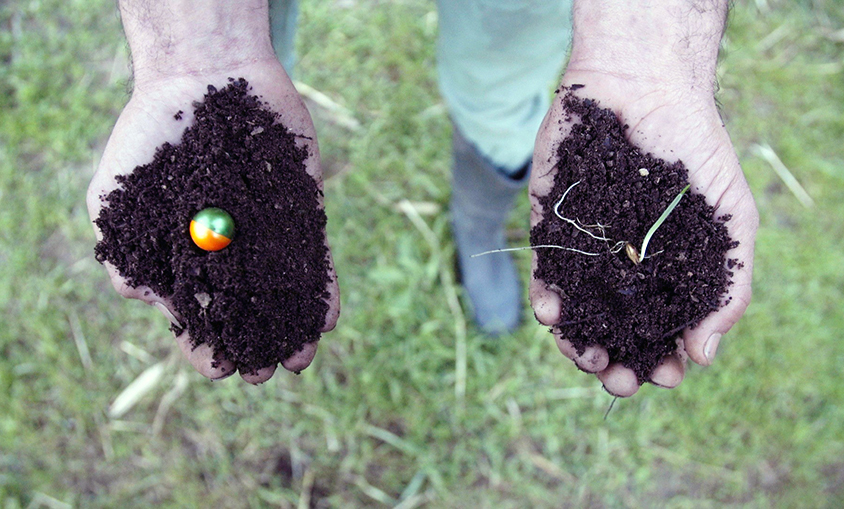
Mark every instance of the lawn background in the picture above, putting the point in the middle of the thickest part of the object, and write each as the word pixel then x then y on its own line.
pixel 406 404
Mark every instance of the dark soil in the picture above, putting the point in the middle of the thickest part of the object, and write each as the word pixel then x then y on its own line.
pixel 637 312
pixel 260 299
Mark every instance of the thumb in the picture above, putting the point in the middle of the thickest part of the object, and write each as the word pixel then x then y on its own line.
pixel 202 357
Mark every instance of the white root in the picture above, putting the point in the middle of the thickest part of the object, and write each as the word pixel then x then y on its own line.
pixel 552 246
pixel 617 247
pixel 575 222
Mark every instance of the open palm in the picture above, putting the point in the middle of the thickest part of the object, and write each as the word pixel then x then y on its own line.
pixel 147 122
pixel 672 124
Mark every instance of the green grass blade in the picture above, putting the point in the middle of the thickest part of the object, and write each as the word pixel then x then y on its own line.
pixel 661 220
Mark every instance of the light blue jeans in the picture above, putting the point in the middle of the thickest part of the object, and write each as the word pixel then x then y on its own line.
pixel 496 61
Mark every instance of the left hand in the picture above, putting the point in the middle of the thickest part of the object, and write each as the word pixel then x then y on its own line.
pixel 671 123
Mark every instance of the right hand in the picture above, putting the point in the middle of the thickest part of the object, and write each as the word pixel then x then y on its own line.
pixel 147 122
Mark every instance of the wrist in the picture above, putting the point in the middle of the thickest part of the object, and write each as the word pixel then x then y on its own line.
pixel 169 38
pixel 669 44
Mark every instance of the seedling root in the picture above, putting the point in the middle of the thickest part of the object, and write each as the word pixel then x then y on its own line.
pixel 636 256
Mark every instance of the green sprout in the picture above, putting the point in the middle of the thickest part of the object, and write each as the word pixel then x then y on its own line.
pixel 638 256
pixel 635 255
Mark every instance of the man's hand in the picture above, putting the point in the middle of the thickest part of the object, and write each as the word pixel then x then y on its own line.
pixel 663 89
pixel 175 58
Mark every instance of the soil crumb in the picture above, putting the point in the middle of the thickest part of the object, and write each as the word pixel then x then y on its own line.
pixel 616 192
pixel 257 301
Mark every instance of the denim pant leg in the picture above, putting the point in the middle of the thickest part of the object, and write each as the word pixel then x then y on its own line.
pixel 283 17
pixel 497 61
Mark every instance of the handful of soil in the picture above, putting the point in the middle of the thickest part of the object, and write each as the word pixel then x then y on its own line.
pixel 258 300
pixel 613 194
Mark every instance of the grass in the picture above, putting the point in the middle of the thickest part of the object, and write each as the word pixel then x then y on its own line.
pixel 403 405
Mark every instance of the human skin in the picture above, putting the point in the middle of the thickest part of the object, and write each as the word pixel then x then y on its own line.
pixel 653 63
pixel 178 48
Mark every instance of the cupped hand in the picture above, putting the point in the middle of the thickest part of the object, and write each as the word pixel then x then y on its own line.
pixel 671 123
pixel 147 122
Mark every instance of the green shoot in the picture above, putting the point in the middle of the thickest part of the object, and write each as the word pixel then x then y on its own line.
pixel 658 223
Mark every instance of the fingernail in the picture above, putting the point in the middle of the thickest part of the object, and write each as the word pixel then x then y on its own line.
pixel 166 312
pixel 222 377
pixel 711 346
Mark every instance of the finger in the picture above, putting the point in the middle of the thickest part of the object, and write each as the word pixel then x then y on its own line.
pixel 202 358
pixel 701 342
pixel 593 359
pixel 294 115
pixel 333 298
pixel 121 286
pixel 547 305
pixel 619 381
pixel 260 376
pixel 541 182
pixel 670 372
pixel 142 293
pixel 302 124
pixel 165 310
pixel 301 359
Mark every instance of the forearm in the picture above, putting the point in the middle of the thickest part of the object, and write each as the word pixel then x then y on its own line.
pixel 663 41
pixel 194 37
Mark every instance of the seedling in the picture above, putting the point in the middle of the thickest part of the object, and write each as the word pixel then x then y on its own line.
pixel 638 256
